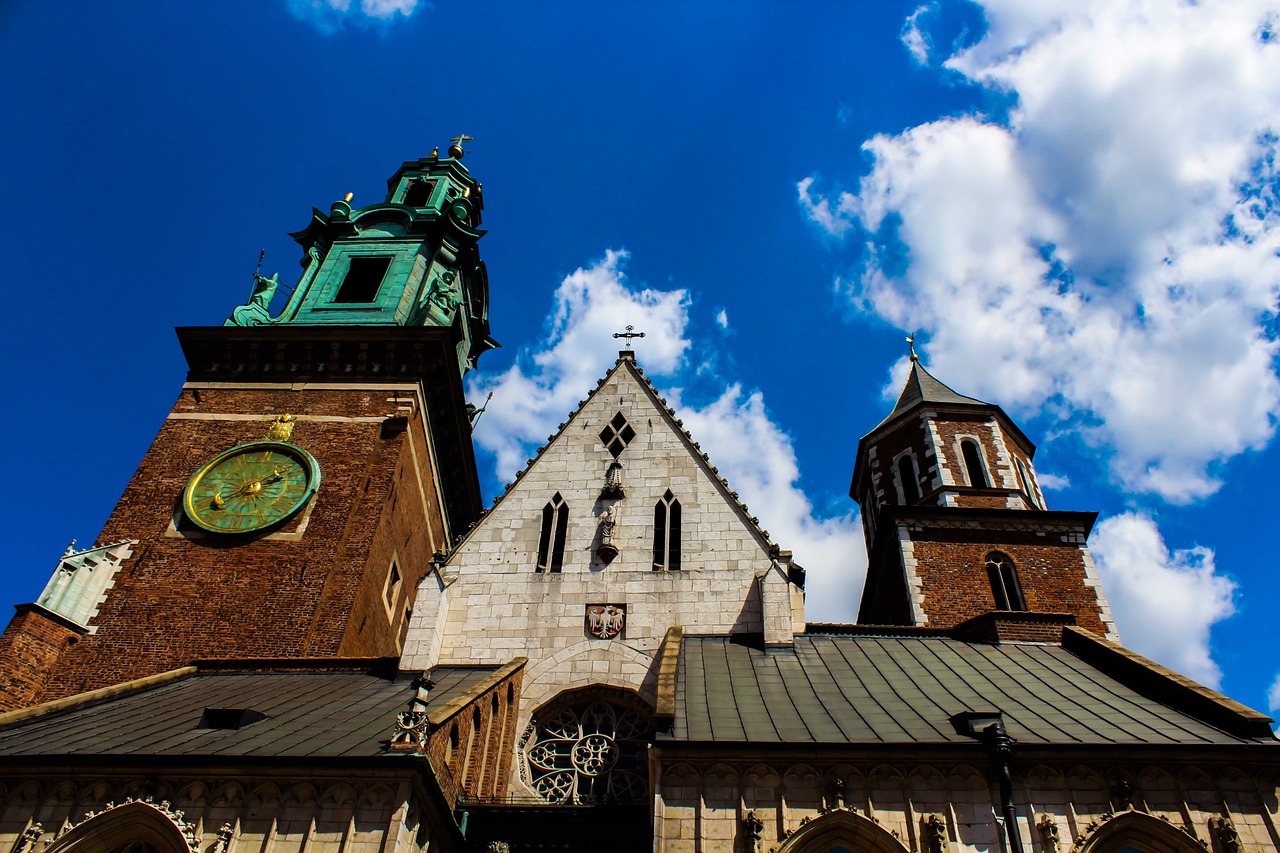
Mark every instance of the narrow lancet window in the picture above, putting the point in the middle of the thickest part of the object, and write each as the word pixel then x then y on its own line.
pixel 1025 478
pixel 908 479
pixel 555 524
pixel 666 534
pixel 1004 582
pixel 973 464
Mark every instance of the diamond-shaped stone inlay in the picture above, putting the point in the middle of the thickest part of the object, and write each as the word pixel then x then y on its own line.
pixel 617 434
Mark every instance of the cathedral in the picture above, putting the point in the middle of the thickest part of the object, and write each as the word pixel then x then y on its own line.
pixel 300 630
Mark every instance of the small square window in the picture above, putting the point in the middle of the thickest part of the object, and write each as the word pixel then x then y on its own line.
pixel 363 279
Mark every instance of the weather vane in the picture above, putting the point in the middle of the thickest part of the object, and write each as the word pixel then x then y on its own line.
pixel 455 150
pixel 911 342
pixel 628 334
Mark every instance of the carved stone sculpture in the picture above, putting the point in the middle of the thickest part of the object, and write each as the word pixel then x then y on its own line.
pixel 1225 831
pixel 606 621
pixel 608 525
pixel 935 834
pixel 752 828
pixel 1049 832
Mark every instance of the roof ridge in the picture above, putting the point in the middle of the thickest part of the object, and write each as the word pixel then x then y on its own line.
pixel 1166 685
pixel 98 696
pixel 703 458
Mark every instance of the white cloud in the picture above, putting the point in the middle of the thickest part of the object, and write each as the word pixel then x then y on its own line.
pixel 722 319
pixel 1113 248
pixel 751 451
pixel 541 390
pixel 1164 603
pixel 1053 482
pixel 914 36
pixel 1273 696
pixel 331 16
pixel 759 461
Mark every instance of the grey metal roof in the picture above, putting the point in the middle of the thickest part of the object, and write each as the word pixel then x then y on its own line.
pixel 922 387
pixel 887 690
pixel 321 714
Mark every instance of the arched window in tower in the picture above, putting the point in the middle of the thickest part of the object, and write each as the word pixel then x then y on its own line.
pixel 419 193
pixel 555 524
pixel 974 465
pixel 666 534
pixel 908 479
pixel 1004 582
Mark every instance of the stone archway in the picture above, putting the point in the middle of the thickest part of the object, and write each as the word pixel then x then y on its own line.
pixel 842 829
pixel 133 827
pixel 1136 829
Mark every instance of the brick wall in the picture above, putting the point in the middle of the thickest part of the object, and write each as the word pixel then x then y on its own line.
pixel 312 588
pixel 29 650
pixel 484 730
pixel 951 564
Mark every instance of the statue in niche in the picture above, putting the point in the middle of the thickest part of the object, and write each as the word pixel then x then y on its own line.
pixel 608 525
pixel 613 482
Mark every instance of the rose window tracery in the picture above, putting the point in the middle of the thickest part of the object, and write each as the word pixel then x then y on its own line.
pixel 589 747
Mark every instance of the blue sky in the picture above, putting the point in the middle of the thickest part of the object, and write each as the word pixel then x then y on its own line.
pixel 1073 203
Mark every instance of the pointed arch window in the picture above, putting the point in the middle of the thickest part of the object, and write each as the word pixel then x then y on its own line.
pixel 908 479
pixel 974 464
pixel 1004 582
pixel 666 534
pixel 555 524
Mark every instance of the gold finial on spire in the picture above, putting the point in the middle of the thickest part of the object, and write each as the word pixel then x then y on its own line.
pixel 455 150
pixel 347 198
pixel 435 152
pixel 911 342
pixel 281 428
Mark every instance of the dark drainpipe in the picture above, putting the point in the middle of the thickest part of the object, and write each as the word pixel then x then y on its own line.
pixel 988 728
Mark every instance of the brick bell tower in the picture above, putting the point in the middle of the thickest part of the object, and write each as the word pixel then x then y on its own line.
pixel 313 464
pixel 957 528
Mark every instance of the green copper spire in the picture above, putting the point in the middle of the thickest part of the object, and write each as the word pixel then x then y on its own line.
pixel 411 260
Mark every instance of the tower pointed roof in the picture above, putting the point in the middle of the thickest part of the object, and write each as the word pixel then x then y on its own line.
pixel 923 387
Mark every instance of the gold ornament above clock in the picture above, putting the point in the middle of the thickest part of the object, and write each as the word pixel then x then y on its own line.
pixel 252 487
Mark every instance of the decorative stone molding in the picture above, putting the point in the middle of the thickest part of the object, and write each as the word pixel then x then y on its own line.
pixel 412 726
pixel 410 730
pixel 1097 830
pixel 29 837
pixel 163 807
pixel 225 833
pixel 498 847
pixel 613 482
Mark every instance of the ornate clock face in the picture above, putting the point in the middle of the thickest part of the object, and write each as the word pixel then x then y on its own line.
pixel 251 487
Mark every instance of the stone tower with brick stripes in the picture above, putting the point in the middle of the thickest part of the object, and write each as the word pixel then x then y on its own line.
pixel 313 464
pixel 957 528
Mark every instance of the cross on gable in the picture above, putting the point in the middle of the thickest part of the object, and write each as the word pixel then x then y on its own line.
pixel 628 335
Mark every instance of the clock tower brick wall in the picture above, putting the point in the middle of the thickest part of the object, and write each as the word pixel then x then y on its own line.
pixel 315 587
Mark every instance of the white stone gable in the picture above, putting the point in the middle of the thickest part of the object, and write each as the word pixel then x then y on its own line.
pixel 494 603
